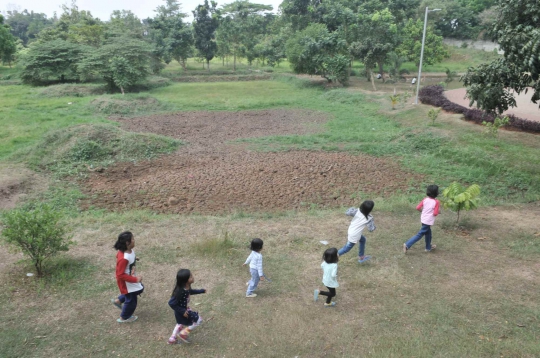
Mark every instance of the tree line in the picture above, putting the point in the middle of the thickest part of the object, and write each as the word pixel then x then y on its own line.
pixel 317 37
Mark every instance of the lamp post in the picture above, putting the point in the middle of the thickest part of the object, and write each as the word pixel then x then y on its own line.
pixel 422 53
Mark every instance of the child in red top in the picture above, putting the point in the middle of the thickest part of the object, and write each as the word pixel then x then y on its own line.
pixel 130 285
pixel 430 209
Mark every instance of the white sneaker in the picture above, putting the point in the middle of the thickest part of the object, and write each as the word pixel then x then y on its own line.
pixel 251 295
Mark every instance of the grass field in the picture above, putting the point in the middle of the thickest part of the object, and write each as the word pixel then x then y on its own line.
pixel 476 296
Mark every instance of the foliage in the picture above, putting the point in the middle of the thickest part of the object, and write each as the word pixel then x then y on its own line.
pixel 457 20
pixel 492 128
pixel 433 113
pixel 491 85
pixel 26 25
pixel 394 99
pixel 450 75
pixel 37 232
pixel 377 38
pixel 395 62
pixel 121 62
pixel 172 38
pixel 315 51
pixel 52 61
pixel 8 45
pixel 124 23
pixel 205 24
pixel 411 44
pixel 457 198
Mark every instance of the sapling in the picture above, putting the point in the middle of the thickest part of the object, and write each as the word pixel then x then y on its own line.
pixel 456 198
pixel 433 114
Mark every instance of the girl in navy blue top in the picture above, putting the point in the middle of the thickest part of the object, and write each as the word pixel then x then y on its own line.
pixel 186 319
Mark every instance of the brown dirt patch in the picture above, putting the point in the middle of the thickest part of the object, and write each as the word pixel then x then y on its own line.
pixel 16 183
pixel 209 175
pixel 525 108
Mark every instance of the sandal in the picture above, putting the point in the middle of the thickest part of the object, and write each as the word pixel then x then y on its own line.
pixel 130 319
pixel 118 305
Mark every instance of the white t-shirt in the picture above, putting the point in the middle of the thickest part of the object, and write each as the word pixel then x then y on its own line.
pixel 358 224
pixel 131 286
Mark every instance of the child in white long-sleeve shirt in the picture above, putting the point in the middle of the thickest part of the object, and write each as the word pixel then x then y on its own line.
pixel 255 267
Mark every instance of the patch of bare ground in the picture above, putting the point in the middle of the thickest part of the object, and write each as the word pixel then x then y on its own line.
pixel 16 183
pixel 211 175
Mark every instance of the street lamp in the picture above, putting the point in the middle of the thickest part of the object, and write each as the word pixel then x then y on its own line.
pixel 422 53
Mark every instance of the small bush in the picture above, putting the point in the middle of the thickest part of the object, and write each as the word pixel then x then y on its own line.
pixel 394 99
pixel 457 198
pixel 492 128
pixel 38 233
pixel 216 247
pixel 464 45
pixel 433 114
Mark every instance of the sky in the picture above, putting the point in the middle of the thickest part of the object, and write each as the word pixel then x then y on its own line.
pixel 104 8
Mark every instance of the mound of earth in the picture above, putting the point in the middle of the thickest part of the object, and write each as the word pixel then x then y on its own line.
pixel 17 183
pixel 210 175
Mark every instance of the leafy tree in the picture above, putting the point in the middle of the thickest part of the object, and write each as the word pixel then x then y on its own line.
pixel 37 232
pixel 8 46
pixel 458 198
pixel 395 62
pixel 457 21
pixel 242 25
pixel 517 32
pixel 205 24
pixel 52 61
pixel 378 38
pixel 26 25
pixel 121 62
pixel 124 23
pixel 411 44
pixel 316 51
pixel 173 38
pixel 76 26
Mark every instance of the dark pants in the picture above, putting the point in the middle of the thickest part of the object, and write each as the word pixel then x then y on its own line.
pixel 129 301
pixel 329 295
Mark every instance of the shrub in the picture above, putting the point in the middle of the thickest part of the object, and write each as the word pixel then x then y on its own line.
pixel 464 45
pixel 457 198
pixel 394 99
pixel 492 129
pixel 433 114
pixel 37 232
pixel 434 95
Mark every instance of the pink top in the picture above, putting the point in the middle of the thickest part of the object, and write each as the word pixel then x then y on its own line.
pixel 430 209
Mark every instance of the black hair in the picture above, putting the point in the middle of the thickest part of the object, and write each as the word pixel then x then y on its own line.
pixel 182 277
pixel 432 191
pixel 366 207
pixel 123 240
pixel 330 256
pixel 256 245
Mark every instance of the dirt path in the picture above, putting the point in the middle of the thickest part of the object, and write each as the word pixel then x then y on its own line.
pixel 525 108
pixel 211 175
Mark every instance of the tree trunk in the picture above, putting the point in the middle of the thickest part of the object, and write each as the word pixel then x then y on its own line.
pixel 223 61
pixel 122 89
pixel 372 80
pixel 381 70
pixel 234 63
pixel 208 65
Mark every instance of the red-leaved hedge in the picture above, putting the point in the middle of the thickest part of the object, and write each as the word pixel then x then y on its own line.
pixel 434 95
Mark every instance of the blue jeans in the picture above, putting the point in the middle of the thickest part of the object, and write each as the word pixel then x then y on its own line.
pixel 255 278
pixel 350 245
pixel 129 301
pixel 424 231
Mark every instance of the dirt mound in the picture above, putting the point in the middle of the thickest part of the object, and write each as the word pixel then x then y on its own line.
pixel 72 90
pixel 16 183
pixel 126 105
pixel 209 175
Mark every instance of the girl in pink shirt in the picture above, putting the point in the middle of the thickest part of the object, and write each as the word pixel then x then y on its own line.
pixel 430 208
